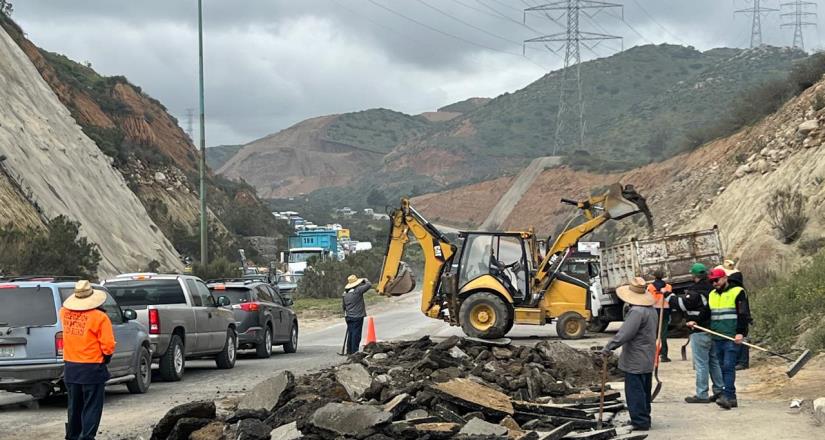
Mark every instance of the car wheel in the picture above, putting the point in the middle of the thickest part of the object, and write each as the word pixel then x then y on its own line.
pixel 571 325
pixel 143 373
pixel 226 358
pixel 173 362
pixel 292 345
pixel 264 349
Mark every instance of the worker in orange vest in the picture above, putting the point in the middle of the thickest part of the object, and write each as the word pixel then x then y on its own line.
pixel 88 345
pixel 661 292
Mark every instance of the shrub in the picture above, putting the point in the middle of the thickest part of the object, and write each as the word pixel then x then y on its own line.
pixel 811 246
pixel 326 279
pixel 818 102
pixel 220 268
pixel 786 214
pixel 56 250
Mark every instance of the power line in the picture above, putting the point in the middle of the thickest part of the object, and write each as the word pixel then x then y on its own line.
pixel 797 16
pixel 659 24
pixel 572 39
pixel 630 27
pixel 756 11
pixel 470 25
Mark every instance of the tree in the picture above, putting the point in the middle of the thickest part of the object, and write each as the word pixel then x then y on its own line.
pixel 376 198
pixel 6 8
pixel 56 250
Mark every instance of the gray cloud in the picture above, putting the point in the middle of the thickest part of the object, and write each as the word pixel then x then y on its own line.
pixel 272 63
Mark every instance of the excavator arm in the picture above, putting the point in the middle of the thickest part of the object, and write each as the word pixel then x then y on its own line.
pixel 437 250
pixel 617 203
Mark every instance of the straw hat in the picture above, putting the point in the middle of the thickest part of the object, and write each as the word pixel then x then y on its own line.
pixel 353 281
pixel 636 293
pixel 729 265
pixel 84 297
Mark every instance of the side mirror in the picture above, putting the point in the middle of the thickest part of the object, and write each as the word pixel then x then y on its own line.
pixel 223 301
pixel 129 314
pixel 288 301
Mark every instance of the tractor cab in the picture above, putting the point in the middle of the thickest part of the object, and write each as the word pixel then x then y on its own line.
pixel 501 256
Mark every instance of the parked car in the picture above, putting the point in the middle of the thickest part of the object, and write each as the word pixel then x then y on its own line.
pixel 31 339
pixel 288 284
pixel 185 321
pixel 263 315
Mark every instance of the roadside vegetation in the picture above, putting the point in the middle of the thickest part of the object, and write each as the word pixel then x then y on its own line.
pixel 56 249
pixel 789 310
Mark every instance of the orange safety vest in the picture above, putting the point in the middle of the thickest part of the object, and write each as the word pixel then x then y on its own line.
pixel 87 336
pixel 660 296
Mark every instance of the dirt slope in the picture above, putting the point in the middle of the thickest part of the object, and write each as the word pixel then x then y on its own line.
pixel 726 182
pixel 63 172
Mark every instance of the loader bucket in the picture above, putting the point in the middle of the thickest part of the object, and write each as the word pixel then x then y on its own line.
pixel 403 283
pixel 624 201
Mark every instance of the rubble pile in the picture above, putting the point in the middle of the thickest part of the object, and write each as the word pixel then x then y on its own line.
pixel 455 389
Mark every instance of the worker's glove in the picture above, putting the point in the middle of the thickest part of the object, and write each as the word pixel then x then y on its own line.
pixel 606 352
pixel 106 359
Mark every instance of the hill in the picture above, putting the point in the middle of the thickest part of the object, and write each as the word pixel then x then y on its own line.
pixel 644 104
pixel 217 156
pixel 152 154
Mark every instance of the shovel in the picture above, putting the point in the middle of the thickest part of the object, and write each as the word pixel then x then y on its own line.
pixel 658 350
pixel 601 396
pixel 796 365
pixel 684 349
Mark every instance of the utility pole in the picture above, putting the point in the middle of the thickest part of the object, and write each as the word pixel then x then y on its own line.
pixel 796 17
pixel 190 122
pixel 757 11
pixel 204 255
pixel 571 103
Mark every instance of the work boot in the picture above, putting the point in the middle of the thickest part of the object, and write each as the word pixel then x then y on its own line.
pixel 724 403
pixel 715 397
pixel 664 359
pixel 694 399
pixel 733 403
pixel 741 367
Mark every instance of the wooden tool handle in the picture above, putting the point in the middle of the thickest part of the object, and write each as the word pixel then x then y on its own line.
pixel 706 330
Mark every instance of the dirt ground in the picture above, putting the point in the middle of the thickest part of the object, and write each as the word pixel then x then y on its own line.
pixel 764 395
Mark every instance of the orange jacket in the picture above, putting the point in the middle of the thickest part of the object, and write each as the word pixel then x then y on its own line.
pixel 660 297
pixel 87 336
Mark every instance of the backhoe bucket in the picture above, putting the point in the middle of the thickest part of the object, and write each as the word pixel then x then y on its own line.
pixel 625 201
pixel 403 283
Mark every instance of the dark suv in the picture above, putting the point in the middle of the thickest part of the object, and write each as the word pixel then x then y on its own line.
pixel 264 317
pixel 31 339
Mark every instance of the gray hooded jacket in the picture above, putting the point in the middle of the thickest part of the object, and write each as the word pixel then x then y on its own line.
pixel 354 306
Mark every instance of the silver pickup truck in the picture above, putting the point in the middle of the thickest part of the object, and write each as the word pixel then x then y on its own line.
pixel 185 321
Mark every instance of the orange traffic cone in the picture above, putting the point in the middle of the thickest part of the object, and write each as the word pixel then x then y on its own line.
pixel 370 331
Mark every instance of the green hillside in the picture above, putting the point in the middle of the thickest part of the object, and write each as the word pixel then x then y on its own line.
pixel 639 104
pixel 376 130
pixel 217 156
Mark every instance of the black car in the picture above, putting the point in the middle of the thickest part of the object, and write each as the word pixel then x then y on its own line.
pixel 264 317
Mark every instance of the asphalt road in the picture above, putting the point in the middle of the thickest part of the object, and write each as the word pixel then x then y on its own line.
pixel 132 416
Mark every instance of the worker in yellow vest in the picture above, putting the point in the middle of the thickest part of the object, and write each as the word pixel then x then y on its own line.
pixel 661 292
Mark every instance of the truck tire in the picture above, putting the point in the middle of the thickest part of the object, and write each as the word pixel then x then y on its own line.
pixel 485 315
pixel 263 349
pixel 173 362
pixel 143 373
pixel 225 360
pixel 597 325
pixel 571 325
pixel 292 345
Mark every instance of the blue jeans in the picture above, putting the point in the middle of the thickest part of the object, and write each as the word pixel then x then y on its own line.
pixel 637 394
pixel 85 405
pixel 728 353
pixel 705 362
pixel 354 326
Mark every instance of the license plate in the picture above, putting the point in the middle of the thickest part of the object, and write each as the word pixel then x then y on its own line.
pixel 6 351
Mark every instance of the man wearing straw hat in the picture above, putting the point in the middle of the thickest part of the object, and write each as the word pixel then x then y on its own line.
pixel 88 344
pixel 355 310
pixel 637 337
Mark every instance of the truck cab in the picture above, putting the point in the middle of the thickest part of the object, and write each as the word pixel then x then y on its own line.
pixel 299 257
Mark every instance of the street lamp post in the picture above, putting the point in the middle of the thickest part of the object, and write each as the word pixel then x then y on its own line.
pixel 203 224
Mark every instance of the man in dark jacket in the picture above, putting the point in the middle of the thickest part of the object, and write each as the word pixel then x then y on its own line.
pixel 729 316
pixel 637 337
pixel 694 303
pixel 355 310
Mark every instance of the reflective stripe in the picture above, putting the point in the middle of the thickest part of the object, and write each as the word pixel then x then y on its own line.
pixel 725 310
pixel 723 316
pixel 696 313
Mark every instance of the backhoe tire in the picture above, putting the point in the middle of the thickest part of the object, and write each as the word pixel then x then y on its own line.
pixel 597 325
pixel 485 315
pixel 571 325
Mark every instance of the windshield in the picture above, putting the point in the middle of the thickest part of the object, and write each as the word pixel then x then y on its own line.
pixel 22 306
pixel 289 278
pixel 301 257
pixel 146 292
pixel 236 296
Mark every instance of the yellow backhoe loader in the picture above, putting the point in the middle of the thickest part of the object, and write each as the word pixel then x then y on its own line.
pixel 498 279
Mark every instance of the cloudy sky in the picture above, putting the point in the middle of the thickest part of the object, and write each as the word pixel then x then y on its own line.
pixel 272 63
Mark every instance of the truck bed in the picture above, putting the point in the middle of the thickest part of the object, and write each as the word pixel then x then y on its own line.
pixel 674 254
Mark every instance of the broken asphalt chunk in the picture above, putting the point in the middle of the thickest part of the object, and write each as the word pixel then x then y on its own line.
pixel 349 419
pixel 475 396
pixel 268 393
